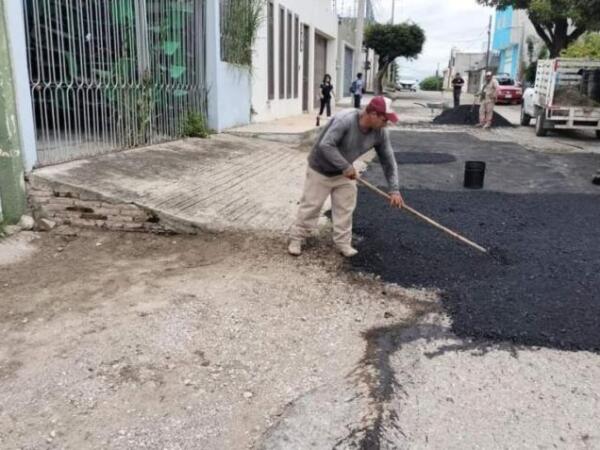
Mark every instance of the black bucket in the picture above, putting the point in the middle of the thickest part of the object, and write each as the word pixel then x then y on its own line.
pixel 474 174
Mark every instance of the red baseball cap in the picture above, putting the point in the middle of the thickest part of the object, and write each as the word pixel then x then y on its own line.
pixel 382 105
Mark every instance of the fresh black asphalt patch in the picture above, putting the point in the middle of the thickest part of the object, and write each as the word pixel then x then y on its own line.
pixel 467 115
pixel 541 287
pixel 423 158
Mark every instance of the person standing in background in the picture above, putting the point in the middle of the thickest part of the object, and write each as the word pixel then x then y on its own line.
pixel 357 89
pixel 457 85
pixel 326 95
pixel 487 96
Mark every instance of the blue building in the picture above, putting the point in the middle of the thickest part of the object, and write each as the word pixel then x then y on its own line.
pixel 508 41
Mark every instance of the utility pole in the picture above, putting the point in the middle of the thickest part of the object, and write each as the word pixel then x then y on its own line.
pixel 393 10
pixel 12 182
pixel 360 29
pixel 487 55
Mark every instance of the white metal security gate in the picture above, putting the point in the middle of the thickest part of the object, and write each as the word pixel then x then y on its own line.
pixel 113 74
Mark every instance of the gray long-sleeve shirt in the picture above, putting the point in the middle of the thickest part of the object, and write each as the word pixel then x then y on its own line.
pixel 342 142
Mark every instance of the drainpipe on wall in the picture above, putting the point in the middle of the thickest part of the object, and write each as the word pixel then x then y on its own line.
pixel 12 182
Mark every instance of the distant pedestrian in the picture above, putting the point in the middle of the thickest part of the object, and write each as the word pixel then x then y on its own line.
pixel 330 172
pixel 457 85
pixel 487 97
pixel 357 89
pixel 326 95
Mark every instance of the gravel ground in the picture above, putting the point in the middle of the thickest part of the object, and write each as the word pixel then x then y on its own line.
pixel 122 341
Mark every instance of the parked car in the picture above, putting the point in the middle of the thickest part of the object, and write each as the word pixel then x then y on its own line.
pixel 407 85
pixel 508 90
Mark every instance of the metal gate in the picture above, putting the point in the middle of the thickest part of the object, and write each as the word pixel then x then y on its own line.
pixel 320 66
pixel 113 74
pixel 348 66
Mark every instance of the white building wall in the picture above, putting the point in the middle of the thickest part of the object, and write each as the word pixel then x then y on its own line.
pixel 320 17
pixel 228 85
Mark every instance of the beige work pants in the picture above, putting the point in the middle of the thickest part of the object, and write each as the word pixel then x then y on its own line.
pixel 486 112
pixel 317 188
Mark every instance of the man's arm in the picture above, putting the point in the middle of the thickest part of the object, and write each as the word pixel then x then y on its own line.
pixel 388 161
pixel 329 145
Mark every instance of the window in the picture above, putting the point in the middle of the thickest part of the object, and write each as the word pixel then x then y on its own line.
pixel 281 53
pixel 271 50
pixel 289 55
pixel 296 55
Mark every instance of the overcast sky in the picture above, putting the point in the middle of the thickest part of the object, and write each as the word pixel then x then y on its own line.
pixel 447 23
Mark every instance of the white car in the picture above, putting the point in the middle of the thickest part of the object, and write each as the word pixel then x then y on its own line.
pixel 527 106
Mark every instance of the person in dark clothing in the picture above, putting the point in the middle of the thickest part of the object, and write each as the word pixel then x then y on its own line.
pixel 357 89
pixel 326 95
pixel 457 85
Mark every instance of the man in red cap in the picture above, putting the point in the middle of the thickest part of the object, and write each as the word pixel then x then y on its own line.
pixel 347 136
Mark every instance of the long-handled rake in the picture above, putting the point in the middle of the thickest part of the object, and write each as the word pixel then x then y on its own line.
pixel 424 218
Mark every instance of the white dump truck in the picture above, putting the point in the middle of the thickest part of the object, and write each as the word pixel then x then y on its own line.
pixel 566 96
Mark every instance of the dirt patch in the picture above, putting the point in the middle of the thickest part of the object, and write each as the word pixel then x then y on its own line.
pixel 126 340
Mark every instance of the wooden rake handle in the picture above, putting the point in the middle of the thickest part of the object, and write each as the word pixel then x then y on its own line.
pixel 423 217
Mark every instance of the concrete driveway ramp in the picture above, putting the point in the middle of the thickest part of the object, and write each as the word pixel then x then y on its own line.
pixel 216 184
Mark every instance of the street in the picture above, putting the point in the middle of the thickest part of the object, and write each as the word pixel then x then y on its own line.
pixel 222 340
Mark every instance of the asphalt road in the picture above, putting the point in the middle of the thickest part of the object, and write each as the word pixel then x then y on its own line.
pixel 541 287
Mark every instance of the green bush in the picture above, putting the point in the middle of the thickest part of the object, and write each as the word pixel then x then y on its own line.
pixel 431 84
pixel 588 46
pixel 195 126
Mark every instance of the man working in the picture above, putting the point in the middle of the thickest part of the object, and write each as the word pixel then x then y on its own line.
pixel 348 135
pixel 457 85
pixel 487 96
pixel 357 89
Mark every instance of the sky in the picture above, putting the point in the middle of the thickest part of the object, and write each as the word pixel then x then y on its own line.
pixel 447 23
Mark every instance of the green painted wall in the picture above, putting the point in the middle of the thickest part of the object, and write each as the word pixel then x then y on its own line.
pixel 12 184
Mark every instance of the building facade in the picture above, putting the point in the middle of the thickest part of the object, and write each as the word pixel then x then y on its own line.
pixel 465 63
pixel 113 78
pixel 295 47
pixel 512 29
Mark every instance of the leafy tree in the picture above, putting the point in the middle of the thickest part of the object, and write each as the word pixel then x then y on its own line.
pixel 391 42
pixel 557 22
pixel 432 83
pixel 586 47
pixel 532 67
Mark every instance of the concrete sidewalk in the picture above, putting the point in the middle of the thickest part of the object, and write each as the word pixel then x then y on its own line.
pixel 217 184
pixel 295 130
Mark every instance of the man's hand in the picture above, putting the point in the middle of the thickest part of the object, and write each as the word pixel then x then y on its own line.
pixel 396 200
pixel 350 173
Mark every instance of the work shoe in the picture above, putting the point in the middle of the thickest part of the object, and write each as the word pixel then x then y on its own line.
pixel 487 126
pixel 295 247
pixel 348 251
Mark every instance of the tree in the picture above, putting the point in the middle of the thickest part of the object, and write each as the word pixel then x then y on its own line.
pixel 433 83
pixel 586 47
pixel 557 22
pixel 391 42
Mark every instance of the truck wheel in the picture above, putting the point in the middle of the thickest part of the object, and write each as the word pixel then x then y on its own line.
pixel 525 118
pixel 540 129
